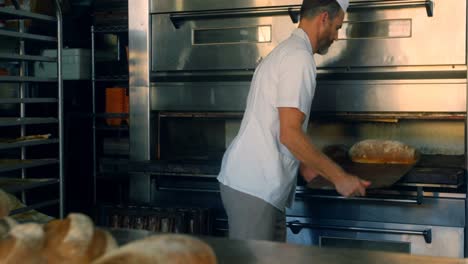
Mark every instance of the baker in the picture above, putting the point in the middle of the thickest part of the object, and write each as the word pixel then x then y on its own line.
pixel 258 172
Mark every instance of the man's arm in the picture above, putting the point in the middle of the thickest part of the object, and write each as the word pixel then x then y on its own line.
pixel 292 136
pixel 308 173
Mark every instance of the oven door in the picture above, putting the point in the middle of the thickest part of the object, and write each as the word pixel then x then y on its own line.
pixel 400 33
pixel 237 35
pixel 390 237
pixel 222 40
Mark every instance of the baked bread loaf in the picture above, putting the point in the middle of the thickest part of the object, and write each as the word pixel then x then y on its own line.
pixel 158 249
pixel 383 152
pixel 75 240
pixel 23 244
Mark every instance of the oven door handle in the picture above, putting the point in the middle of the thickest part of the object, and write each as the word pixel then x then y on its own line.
pixel 429 4
pixel 296 227
pixel 293 11
pixel 182 189
pixel 418 200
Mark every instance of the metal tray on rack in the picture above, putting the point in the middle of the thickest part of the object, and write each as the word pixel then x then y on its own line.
pixel 12 185
pixel 9 13
pixel 11 164
pixel 14 121
pixel 28 143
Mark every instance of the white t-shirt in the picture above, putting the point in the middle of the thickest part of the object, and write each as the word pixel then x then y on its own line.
pixel 256 162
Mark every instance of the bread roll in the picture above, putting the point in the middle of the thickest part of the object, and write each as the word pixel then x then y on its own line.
pixel 74 240
pixel 6 224
pixel 33 216
pixel 382 151
pixel 158 249
pixel 102 243
pixel 23 245
pixel 9 202
pixel 5 204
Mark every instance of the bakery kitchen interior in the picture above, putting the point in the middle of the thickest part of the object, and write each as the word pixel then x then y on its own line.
pixel 233 131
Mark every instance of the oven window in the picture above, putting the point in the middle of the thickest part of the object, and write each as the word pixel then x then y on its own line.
pixel 396 28
pixel 216 36
pixel 388 246
pixel 191 139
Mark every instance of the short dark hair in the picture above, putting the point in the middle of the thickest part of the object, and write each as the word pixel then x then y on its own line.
pixel 311 8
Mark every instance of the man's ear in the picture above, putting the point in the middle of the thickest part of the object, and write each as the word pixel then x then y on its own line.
pixel 324 17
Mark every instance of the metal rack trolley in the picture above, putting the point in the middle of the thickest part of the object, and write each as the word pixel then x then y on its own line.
pixel 23 79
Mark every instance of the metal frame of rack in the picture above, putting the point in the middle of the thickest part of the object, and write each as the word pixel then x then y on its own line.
pixel 23 184
pixel 98 81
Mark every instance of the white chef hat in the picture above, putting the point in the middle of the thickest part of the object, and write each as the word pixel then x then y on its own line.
pixel 344 4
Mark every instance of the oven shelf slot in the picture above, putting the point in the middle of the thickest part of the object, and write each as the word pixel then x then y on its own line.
pixel 296 227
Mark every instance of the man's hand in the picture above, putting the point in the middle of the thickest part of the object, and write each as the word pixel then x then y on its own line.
pixel 308 173
pixel 350 185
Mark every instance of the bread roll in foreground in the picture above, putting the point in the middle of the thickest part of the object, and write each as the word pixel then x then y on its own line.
pixel 159 249
pixel 5 204
pixel 383 152
pixel 102 243
pixel 6 224
pixel 74 240
pixel 23 244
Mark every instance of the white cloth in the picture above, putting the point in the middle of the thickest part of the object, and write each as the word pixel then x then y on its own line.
pixel 256 162
pixel 344 4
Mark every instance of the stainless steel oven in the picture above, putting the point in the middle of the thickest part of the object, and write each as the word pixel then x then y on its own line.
pixel 398 71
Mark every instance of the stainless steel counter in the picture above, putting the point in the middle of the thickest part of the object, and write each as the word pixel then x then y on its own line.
pixel 236 251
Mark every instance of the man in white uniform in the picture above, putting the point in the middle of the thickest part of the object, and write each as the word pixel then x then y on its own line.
pixel 258 173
